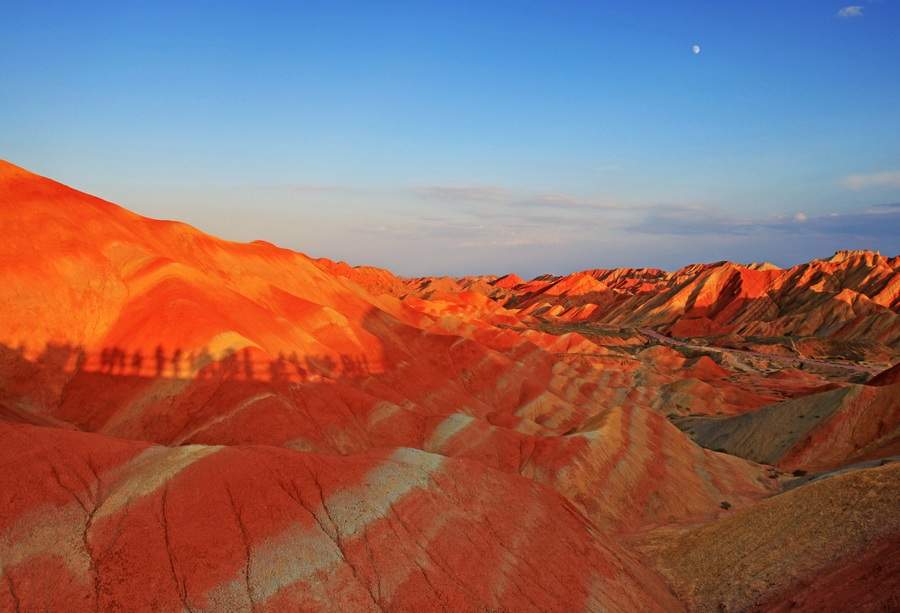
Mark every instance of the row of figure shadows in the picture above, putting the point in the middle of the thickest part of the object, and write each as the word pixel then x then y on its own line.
pixel 200 364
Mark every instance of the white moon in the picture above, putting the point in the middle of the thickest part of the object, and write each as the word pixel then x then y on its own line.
pixel 695 49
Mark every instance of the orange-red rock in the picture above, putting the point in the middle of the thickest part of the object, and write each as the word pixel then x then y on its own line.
pixel 192 423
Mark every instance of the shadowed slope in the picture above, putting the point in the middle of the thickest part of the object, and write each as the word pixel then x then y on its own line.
pixel 786 548
pixel 816 432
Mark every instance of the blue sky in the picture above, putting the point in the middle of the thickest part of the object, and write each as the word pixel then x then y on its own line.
pixel 470 137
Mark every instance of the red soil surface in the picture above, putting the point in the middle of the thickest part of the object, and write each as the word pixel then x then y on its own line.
pixel 192 423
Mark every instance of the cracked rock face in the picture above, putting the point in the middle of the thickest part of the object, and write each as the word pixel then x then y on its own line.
pixel 125 526
pixel 188 423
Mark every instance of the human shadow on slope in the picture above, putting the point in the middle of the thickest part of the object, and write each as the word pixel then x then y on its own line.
pixel 178 363
pixel 164 398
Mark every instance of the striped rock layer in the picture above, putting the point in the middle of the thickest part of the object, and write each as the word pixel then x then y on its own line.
pixel 188 423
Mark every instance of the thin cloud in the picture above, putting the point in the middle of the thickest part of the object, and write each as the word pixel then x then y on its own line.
pixel 890 178
pixel 893 207
pixel 850 11
pixel 871 224
pixel 880 221
pixel 492 196
pixel 469 234
pixel 466 193
pixel 563 201
pixel 691 221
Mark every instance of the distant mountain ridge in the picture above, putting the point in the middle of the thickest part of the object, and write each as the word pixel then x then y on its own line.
pixel 853 296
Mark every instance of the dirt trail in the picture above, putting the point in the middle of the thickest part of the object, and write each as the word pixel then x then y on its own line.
pixel 786 360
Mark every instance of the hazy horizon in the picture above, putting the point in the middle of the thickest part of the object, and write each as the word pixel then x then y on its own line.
pixel 474 139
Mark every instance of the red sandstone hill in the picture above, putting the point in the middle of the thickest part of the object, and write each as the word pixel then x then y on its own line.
pixel 846 306
pixel 816 432
pixel 192 423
